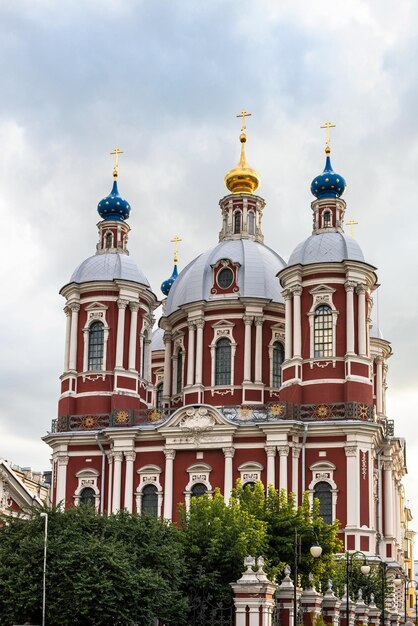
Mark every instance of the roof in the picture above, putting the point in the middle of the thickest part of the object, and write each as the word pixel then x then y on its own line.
pixel 330 247
pixel 108 266
pixel 157 340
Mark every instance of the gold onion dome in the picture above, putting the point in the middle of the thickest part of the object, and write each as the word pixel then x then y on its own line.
pixel 242 178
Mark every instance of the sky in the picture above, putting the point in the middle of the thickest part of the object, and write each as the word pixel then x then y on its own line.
pixel 164 80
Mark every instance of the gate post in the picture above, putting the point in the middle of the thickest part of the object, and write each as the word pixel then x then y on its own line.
pixel 374 612
pixel 311 601
pixel 362 610
pixel 331 606
pixel 253 595
pixel 285 597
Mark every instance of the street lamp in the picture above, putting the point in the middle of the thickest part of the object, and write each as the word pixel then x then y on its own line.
pixel 45 516
pixel 410 583
pixel 365 569
pixel 315 551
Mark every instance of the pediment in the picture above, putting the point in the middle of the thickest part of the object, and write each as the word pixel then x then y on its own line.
pixel 14 491
pixel 93 306
pixel 321 289
pixel 194 419
pixel 223 324
pixel 322 465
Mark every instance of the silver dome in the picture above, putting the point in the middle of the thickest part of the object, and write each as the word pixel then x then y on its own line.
pixel 259 266
pixel 157 340
pixel 108 266
pixel 329 247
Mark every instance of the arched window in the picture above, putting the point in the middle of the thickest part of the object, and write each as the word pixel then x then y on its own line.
pixel 199 489
pixel 96 346
pixel 323 332
pixel 159 396
pixel 251 223
pixel 322 491
pixel 223 362
pixel 179 381
pixel 237 222
pixel 144 353
pixel 88 496
pixel 278 358
pixel 109 240
pixel 149 503
pixel 249 486
pixel 327 219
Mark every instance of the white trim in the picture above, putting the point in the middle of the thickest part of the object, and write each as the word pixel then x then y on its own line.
pixel 250 472
pixel 96 312
pixel 199 473
pixel 149 475
pixel 222 330
pixel 87 478
pixel 323 472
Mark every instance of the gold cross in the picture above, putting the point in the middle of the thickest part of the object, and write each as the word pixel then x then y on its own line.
pixel 327 126
pixel 243 114
pixel 176 241
pixel 116 152
pixel 351 224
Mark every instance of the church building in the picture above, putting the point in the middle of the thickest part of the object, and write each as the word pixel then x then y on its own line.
pixel 260 369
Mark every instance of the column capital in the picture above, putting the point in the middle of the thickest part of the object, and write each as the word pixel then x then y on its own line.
pixel 283 450
pixel 296 290
pixel 361 288
pixel 387 465
pixel 296 451
pixel 170 454
pixel 248 320
pixel 379 359
pixel 67 310
pixel 167 336
pixel 350 450
pixel 349 285
pixel 63 460
pixel 191 325
pixel 118 456
pixel 134 306
pixel 109 455
pixel 258 320
pixel 287 294
pixel 130 455
pixel 200 322
pixel 74 307
pixel 122 303
pixel 270 450
pixel 229 452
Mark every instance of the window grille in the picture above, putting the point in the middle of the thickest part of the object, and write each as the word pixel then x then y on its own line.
pixel 323 492
pixel 96 346
pixel 149 503
pixel 87 496
pixel 237 222
pixel 327 219
pixel 323 332
pixel 278 358
pixel 225 278
pixel 199 489
pixel 179 381
pixel 223 362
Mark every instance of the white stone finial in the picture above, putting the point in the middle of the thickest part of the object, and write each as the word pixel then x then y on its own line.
pixel 260 572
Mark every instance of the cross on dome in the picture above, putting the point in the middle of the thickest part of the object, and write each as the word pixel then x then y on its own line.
pixel 327 126
pixel 243 114
pixel 176 241
pixel 116 152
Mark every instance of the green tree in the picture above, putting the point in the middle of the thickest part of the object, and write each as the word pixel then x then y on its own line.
pixel 117 570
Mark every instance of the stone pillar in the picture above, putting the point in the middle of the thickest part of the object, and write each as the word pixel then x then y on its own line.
pixel 361 303
pixel 283 454
pixel 388 498
pixel 331 606
pixel 343 610
pixel 190 354
pixel 129 479
pixel 361 609
pixel 168 483
pixel 117 480
pixel 288 324
pixel 120 337
pixel 109 480
pixel 67 312
pixel 349 288
pixel 285 596
pixel 297 330
pixel 248 320
pixel 258 348
pixel 379 384
pixel 228 472
pixel 310 601
pixel 253 596
pixel 199 350
pixel 62 462
pixel 134 307
pixel 74 308
pixel 271 465
pixel 295 472
pixel 167 366
pixel 374 612
pixel 353 481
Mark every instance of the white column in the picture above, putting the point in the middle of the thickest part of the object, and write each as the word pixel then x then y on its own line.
pixel 349 288
pixel 62 462
pixel 129 479
pixel 168 484
pixel 134 307
pixel 74 308
pixel 283 454
pixel 190 354
pixel 109 480
pixel 228 472
pixel 271 465
pixel 199 350
pixel 167 365
pixel 248 320
pixel 352 486
pixel 288 324
pixel 117 480
pixel 379 385
pixel 362 343
pixel 297 332
pixel 295 472
pixel 388 499
pixel 120 337
pixel 258 348
pixel 67 338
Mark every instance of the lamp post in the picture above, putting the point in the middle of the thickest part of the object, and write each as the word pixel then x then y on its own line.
pixel 365 569
pixel 383 566
pixel 45 516
pixel 410 583
pixel 315 551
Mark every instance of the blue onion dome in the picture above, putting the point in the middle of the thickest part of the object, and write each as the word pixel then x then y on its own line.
pixel 329 184
pixel 113 207
pixel 167 284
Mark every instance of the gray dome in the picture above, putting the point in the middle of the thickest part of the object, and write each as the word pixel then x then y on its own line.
pixel 157 340
pixel 108 266
pixel 259 266
pixel 329 247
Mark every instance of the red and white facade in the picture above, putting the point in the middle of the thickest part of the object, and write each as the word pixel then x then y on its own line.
pixel 181 419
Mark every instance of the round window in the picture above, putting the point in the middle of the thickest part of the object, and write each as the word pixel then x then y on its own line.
pixel 225 278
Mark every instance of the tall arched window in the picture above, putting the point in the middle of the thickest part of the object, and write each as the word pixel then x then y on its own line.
pixel 199 489
pixel 327 219
pixel 251 223
pixel 323 332
pixel 223 362
pixel 149 503
pixel 96 346
pixel 109 240
pixel 323 492
pixel 278 358
pixel 159 396
pixel 88 496
pixel 179 381
pixel 237 222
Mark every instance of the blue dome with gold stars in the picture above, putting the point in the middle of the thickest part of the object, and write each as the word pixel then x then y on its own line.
pixel 167 284
pixel 329 184
pixel 113 207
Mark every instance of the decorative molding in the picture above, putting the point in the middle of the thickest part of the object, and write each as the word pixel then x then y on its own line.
pixel 350 450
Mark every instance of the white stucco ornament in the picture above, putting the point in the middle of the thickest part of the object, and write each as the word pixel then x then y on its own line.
pixel 196 422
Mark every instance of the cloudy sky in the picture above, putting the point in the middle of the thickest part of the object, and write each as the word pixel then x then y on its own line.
pixel 164 80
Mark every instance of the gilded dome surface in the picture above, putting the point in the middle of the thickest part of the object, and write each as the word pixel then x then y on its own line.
pixel 326 247
pixel 108 266
pixel 259 266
